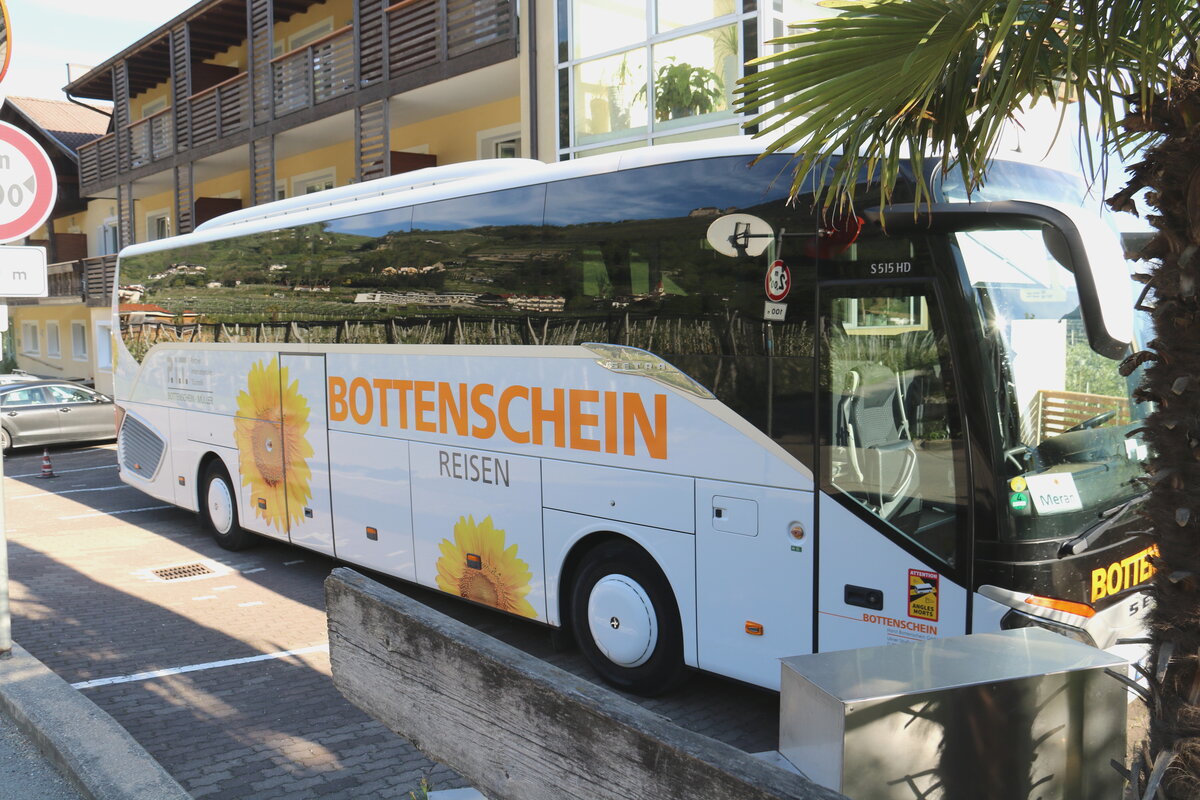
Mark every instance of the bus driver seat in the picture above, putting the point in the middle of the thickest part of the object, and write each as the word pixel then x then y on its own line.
pixel 881 452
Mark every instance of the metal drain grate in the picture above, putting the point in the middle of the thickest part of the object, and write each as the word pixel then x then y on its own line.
pixel 182 571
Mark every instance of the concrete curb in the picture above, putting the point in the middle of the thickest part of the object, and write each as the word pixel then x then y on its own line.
pixel 82 741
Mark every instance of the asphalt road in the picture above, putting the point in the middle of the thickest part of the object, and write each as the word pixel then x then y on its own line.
pixel 223 675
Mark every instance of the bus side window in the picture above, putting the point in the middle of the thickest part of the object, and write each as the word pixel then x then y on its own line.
pixel 892 444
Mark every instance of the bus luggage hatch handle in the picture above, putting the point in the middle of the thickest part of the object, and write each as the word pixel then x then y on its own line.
pixel 863 597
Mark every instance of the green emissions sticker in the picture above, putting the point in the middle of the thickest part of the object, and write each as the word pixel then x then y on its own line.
pixel 1019 501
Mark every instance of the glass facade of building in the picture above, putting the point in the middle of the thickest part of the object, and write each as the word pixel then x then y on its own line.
pixel 636 72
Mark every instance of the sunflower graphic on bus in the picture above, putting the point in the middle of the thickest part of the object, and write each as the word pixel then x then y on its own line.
pixel 273 450
pixel 477 566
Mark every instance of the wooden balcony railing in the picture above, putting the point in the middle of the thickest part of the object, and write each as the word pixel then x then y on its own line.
pixel 471 24
pixel 423 32
pixel 152 138
pixel 416 34
pixel 98 275
pixel 64 279
pixel 314 73
pixel 86 279
pixel 220 110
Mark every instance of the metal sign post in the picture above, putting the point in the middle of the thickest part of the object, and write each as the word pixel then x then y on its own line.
pixel 28 190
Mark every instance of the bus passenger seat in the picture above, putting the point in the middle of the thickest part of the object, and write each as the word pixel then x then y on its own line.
pixel 880 444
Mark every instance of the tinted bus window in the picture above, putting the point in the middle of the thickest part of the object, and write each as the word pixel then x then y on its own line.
pixel 633 248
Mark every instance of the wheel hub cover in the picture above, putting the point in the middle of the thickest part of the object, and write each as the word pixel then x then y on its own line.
pixel 220 506
pixel 622 620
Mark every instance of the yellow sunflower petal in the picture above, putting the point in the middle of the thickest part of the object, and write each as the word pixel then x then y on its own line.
pixel 495 576
pixel 273 456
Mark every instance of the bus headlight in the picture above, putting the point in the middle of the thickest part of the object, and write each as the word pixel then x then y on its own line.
pixel 1018 619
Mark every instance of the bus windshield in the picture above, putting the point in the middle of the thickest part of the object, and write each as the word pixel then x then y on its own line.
pixel 1064 408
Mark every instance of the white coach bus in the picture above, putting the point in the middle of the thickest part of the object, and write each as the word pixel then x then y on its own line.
pixel 643 398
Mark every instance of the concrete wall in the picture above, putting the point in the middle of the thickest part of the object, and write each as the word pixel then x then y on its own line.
pixel 515 726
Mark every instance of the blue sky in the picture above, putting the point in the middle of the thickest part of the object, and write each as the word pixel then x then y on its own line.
pixel 46 35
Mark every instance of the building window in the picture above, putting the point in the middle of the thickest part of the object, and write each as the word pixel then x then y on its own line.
pixel 311 182
pixel 30 345
pixel 310 34
pixel 158 225
pixel 502 142
pixel 79 348
pixel 154 106
pixel 104 348
pixel 109 238
pixel 633 71
pixel 53 346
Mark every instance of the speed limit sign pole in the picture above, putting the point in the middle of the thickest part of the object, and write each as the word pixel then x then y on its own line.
pixel 28 189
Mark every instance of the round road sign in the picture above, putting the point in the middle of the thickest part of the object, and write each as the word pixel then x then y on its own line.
pixel 778 281
pixel 28 187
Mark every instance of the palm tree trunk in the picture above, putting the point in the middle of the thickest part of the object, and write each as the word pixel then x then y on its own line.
pixel 1171 172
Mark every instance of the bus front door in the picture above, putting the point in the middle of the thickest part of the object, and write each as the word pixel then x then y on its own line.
pixel 892 511
pixel 306 451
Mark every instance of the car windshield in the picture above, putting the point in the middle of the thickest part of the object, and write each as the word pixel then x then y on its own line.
pixel 1065 409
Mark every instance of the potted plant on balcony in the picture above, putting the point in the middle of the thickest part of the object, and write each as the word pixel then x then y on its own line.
pixel 683 90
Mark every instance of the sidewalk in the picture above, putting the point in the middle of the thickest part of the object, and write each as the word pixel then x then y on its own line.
pixel 25 773
pixel 56 743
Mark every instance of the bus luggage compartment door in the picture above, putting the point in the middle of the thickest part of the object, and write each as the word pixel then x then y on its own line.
pixel 754 555
pixel 310 522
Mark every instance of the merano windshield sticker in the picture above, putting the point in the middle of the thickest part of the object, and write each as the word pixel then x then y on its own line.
pixel 1054 493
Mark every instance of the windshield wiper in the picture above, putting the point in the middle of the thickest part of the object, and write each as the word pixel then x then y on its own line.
pixel 1109 520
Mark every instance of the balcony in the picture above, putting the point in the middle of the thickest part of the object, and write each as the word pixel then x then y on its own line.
pixel 412 35
pixel 221 110
pixel 98 276
pixel 152 138
pixel 315 73
pixel 87 280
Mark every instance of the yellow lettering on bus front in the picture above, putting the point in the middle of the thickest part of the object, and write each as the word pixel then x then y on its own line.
pixel 1124 574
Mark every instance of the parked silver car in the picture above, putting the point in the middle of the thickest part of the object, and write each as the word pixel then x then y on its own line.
pixel 52 412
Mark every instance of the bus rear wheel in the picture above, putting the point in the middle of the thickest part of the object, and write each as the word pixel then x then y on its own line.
pixel 626 621
pixel 218 509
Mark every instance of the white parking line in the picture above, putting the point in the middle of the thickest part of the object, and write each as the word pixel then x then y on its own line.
pixel 62 471
pixel 114 513
pixel 72 491
pixel 290 563
pixel 256 569
pixel 161 673
pixel 248 605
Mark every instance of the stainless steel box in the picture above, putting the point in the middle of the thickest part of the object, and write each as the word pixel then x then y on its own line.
pixel 1014 715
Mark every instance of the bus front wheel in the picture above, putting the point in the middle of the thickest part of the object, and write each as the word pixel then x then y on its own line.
pixel 626 620
pixel 218 509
